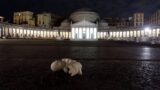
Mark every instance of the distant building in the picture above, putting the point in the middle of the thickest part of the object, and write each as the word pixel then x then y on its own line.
pixel 138 19
pixel 83 25
pixel 111 21
pixel 154 20
pixel 44 19
pixel 32 22
pixel 119 22
pixel 1 19
pixel 125 22
pixel 25 17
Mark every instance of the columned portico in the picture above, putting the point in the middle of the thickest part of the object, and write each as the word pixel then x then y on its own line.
pixel 84 30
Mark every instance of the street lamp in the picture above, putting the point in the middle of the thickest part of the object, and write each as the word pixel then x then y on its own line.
pixel 147 29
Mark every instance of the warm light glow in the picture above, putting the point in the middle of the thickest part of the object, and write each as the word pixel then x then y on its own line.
pixel 95 33
pixel 124 34
pixel 111 34
pixel 147 29
pixel 114 34
pixel 131 33
pixel 120 34
pixel 138 33
pixel 84 33
pixel 80 32
pixel 154 33
pixel 135 34
pixel 87 33
pixel 142 32
pixel 127 33
pixel 73 32
pixel 157 32
pixel 105 34
pixel 117 34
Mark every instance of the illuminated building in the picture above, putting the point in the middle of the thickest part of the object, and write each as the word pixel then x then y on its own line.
pixel 44 20
pixel 1 19
pixel 25 17
pixel 154 20
pixel 138 19
pixel 82 25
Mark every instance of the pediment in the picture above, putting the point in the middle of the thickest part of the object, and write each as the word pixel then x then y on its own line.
pixel 84 23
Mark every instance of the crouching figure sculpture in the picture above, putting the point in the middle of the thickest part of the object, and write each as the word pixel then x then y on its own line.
pixel 68 66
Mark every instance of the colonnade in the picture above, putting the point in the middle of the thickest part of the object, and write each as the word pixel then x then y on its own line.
pixel 9 31
pixel 154 32
pixel 84 33
pixel 34 33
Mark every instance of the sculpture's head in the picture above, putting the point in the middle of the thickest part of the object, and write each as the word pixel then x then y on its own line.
pixel 57 65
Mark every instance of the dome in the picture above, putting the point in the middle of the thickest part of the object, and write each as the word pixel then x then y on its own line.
pixel 65 23
pixel 103 23
pixel 84 13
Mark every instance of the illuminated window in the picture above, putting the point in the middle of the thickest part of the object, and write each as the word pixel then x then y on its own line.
pixel 135 34
pixel 120 34
pixel 111 34
pixel 142 33
pixel 95 33
pixel 70 35
pixel 138 33
pixel 10 31
pixel 45 33
pixel 157 33
pixel 78 33
pixel 53 34
pixel 117 34
pixel 88 34
pixel 28 32
pixel 38 33
pixel 73 32
pixel 105 34
pixel 98 34
pixel 24 31
pixel 124 33
pixel 6 30
pixel 101 35
pixel 91 33
pixel 48 35
pixel 31 32
pixel 17 31
pixel 127 34
pixel 14 31
pixel 154 33
pixel 41 34
pixel 0 32
pixel 131 33
pixel 34 33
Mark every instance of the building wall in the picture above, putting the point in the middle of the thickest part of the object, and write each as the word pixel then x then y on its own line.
pixel 44 20
pixel 14 31
pixel 1 19
pixel 138 19
pixel 123 24
pixel 22 17
pixel 32 22
pixel 154 19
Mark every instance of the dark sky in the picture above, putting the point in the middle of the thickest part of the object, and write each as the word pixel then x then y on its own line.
pixel 63 8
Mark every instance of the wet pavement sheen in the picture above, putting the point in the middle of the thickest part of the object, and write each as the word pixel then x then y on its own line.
pixel 119 67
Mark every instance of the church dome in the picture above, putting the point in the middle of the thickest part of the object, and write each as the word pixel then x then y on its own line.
pixel 84 13
pixel 103 23
pixel 65 23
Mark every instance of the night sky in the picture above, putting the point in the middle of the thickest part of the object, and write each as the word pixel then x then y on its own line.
pixel 105 8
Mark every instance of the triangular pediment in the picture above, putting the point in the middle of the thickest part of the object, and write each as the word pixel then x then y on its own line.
pixel 84 23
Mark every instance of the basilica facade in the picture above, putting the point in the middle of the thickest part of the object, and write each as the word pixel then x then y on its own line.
pixel 81 25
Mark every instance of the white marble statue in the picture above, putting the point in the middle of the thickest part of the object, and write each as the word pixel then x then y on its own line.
pixel 68 66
